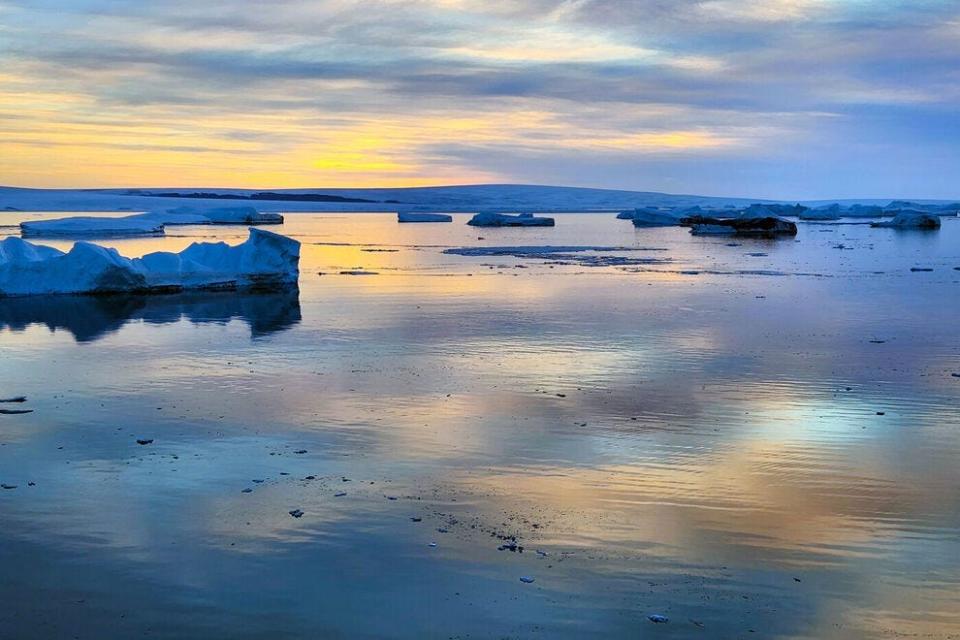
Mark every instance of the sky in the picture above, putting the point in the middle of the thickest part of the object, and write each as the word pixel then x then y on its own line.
pixel 755 98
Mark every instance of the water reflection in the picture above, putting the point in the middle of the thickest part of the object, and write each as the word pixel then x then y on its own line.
pixel 742 453
pixel 90 318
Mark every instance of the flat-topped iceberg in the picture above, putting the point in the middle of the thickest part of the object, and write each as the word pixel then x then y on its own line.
pixel 423 217
pixel 650 217
pixel 506 220
pixel 151 223
pixel 240 215
pixel 910 219
pixel 763 227
pixel 653 218
pixel 264 261
pixel 92 227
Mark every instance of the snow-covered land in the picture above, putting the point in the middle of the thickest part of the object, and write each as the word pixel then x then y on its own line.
pixel 423 217
pixel 264 261
pixel 488 219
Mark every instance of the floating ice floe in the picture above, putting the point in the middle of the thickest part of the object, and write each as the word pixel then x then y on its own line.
pixel 264 261
pixel 911 219
pixel 586 256
pixel 151 223
pixel 506 220
pixel 423 217
pixel 537 250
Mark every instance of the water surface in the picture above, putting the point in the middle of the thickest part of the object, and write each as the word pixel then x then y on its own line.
pixel 752 438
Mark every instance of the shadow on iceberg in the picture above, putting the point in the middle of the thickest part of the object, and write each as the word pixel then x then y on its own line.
pixel 90 318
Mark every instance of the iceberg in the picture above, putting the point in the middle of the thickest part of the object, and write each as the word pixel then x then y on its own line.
pixel 831 212
pixel 765 227
pixel 151 223
pixel 650 217
pixel 424 217
pixel 91 227
pixel 506 220
pixel 265 261
pixel 240 215
pixel 757 210
pixel 655 219
pixel 910 219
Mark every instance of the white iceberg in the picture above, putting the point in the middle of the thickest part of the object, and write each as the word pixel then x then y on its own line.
pixel 423 217
pixel 505 220
pixel 151 223
pixel 654 218
pixel 264 261
pixel 910 219
pixel 91 227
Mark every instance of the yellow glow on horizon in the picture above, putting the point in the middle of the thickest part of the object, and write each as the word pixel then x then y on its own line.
pixel 51 137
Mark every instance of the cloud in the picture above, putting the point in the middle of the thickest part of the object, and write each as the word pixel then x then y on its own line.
pixel 609 80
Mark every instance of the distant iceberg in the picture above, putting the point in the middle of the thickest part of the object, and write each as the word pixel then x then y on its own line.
pixel 650 217
pixel 423 217
pixel 654 218
pixel 91 227
pixel 151 223
pixel 911 219
pixel 506 220
pixel 240 215
pixel 264 261
pixel 830 212
pixel 760 227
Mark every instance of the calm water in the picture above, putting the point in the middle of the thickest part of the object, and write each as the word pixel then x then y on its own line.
pixel 759 440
